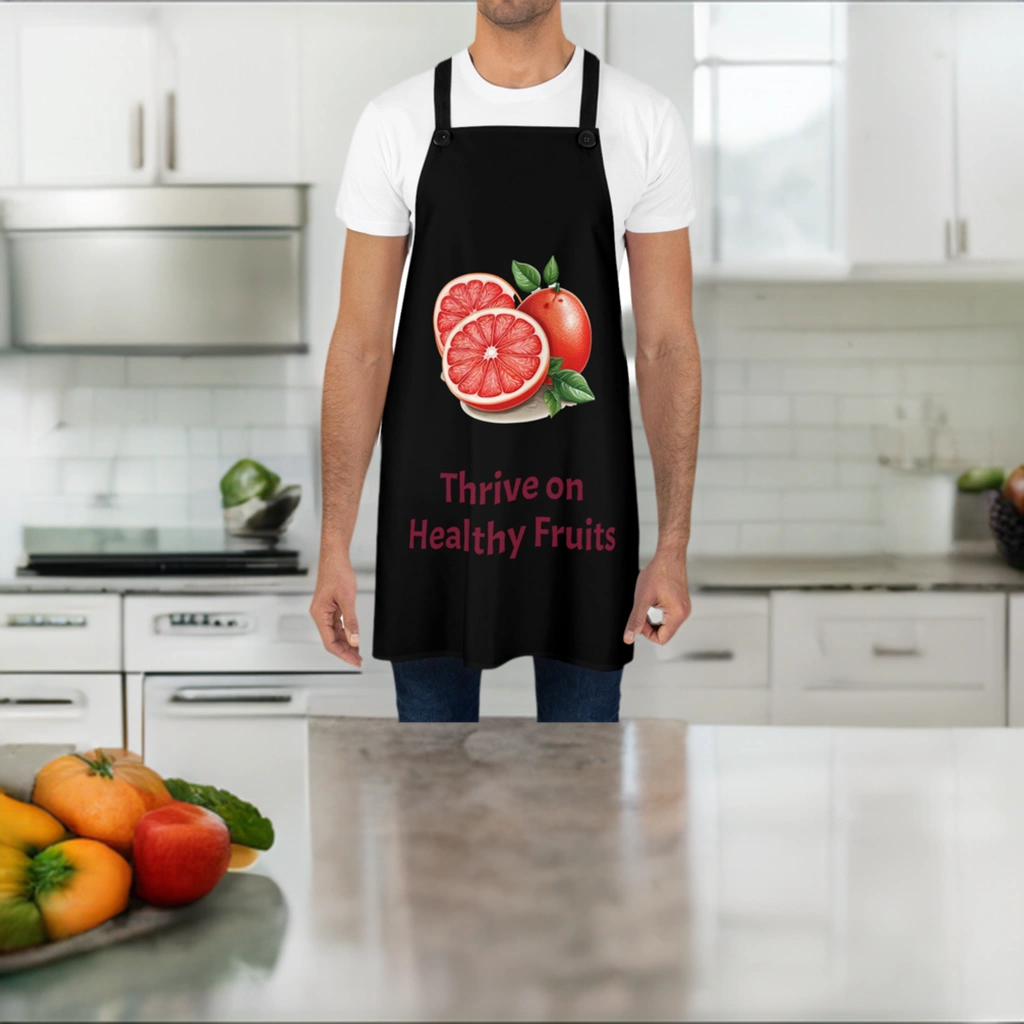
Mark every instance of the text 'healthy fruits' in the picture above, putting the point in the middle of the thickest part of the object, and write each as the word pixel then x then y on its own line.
pixel 101 794
pixel 467 294
pixel 181 852
pixel 495 360
pixel 66 889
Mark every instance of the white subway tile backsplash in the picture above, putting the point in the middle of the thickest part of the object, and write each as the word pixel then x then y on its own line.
pixel 175 406
pixel 815 409
pixel 804 387
pixel 768 410
pixel 791 472
pixel 155 440
pixel 728 410
pixel 739 504
pixel 833 505
pixel 86 476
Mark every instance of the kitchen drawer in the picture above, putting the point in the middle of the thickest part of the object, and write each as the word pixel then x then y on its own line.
pixel 221 632
pixel 888 659
pixel 80 708
pixel 60 632
pixel 714 670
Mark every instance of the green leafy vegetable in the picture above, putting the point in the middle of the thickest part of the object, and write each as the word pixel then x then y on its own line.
pixel 551 271
pixel 245 823
pixel 527 278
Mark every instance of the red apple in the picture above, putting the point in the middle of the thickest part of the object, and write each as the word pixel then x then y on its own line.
pixel 180 853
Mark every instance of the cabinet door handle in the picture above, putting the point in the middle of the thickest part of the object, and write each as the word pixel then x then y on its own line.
pixel 708 656
pixel 138 136
pixel 947 235
pixel 172 134
pixel 882 651
pixel 961 237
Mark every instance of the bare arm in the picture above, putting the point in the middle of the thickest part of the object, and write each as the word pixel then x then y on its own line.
pixel 355 384
pixel 668 379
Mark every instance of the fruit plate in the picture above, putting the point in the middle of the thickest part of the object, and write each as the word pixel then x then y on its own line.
pixel 236 897
pixel 139 919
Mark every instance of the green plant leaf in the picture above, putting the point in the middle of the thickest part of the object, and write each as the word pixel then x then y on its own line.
pixel 554 403
pixel 527 278
pixel 551 271
pixel 556 363
pixel 571 386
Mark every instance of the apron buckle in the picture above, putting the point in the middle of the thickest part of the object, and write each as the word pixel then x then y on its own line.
pixel 586 138
pixel 442 137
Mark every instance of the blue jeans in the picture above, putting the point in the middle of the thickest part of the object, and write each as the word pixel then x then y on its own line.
pixel 444 690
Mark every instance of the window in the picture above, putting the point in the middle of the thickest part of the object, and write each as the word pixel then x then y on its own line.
pixel 766 87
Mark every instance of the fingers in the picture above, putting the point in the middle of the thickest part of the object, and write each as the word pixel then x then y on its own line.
pixel 637 619
pixel 339 632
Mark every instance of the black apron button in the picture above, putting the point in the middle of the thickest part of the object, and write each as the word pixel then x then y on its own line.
pixel 442 137
pixel 587 139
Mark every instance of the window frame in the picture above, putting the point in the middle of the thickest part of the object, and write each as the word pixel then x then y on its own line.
pixel 836 155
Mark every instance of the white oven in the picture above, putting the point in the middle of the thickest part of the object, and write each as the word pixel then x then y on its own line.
pixel 60 669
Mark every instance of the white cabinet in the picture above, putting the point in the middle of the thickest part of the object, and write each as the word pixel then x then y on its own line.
pixel 86 103
pixel 935 133
pixel 907 659
pixel 990 129
pixel 230 84
pixel 899 132
pixel 70 632
pixel 714 670
pixel 81 708
pixel 1015 669
pixel 195 93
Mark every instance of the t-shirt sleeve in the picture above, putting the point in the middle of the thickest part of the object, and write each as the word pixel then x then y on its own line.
pixel 668 201
pixel 369 199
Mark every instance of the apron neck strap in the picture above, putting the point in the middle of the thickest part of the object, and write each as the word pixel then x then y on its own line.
pixel 443 95
pixel 588 96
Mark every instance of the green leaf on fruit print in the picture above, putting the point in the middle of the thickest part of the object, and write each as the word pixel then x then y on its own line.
pixel 554 403
pixel 551 271
pixel 527 278
pixel 556 363
pixel 570 386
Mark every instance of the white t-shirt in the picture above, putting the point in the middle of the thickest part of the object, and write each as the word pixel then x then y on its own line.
pixel 643 142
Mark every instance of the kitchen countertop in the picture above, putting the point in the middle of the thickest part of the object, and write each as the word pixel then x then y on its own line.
pixel 637 871
pixel 984 571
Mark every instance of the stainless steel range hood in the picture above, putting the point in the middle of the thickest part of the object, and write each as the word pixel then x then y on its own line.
pixel 184 269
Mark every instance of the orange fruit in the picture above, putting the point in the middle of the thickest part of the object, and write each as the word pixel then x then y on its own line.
pixel 495 359
pixel 101 794
pixel 565 322
pixel 466 294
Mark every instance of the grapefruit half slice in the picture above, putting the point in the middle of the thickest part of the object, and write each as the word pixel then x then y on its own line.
pixel 466 294
pixel 495 359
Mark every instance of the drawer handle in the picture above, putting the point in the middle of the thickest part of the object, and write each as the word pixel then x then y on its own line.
pixel 35 621
pixel 230 696
pixel 708 656
pixel 882 651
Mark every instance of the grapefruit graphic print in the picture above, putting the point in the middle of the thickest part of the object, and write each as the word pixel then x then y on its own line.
pixel 509 359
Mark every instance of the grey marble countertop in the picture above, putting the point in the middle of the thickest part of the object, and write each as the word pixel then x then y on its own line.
pixel 980 571
pixel 638 871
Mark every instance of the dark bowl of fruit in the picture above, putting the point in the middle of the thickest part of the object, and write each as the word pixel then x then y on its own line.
pixel 1006 508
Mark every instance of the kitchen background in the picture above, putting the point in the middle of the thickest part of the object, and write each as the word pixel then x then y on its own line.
pixel 859 298
pixel 811 372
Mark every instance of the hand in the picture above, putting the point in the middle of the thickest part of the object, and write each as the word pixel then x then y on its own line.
pixel 662 584
pixel 334 607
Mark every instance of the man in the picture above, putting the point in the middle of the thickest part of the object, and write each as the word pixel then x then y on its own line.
pixel 508 520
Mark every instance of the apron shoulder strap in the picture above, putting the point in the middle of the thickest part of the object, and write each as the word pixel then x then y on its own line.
pixel 588 96
pixel 443 103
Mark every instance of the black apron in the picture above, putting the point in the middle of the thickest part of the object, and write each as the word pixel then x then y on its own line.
pixel 501 535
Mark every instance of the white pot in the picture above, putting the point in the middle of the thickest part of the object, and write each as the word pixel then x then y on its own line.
pixel 917 512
